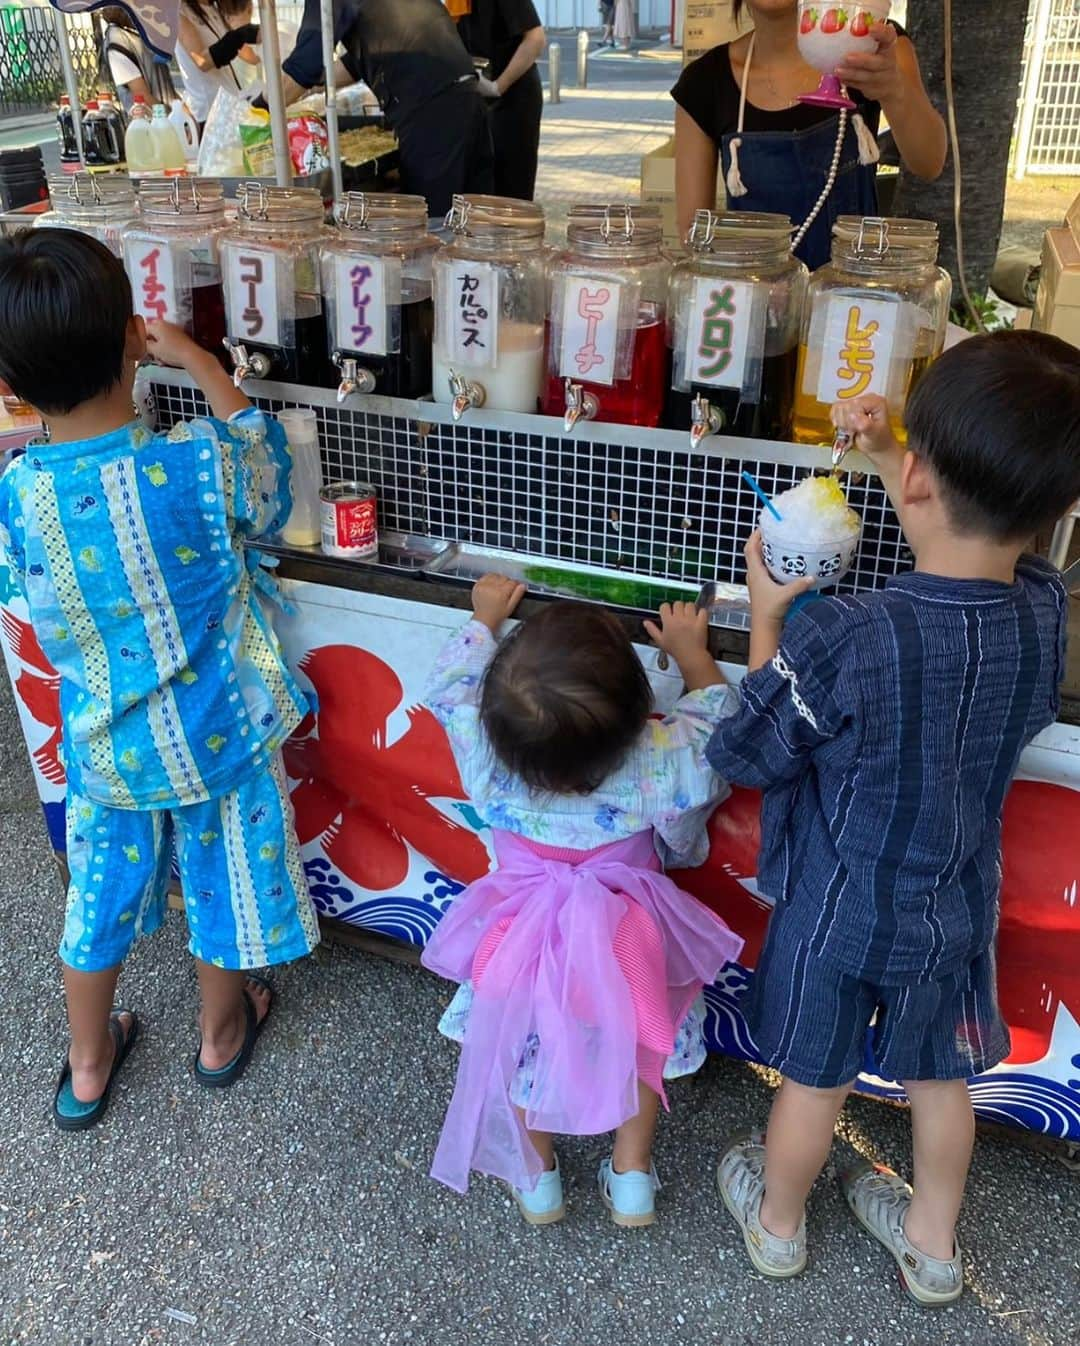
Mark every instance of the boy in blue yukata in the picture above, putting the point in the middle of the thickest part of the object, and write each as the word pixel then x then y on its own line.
pixel 884 730
pixel 175 699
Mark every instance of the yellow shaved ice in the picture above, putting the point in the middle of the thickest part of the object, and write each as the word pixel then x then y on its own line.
pixel 814 511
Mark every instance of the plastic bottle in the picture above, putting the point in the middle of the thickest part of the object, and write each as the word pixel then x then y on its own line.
pixel 65 125
pixel 187 130
pixel 99 136
pixel 167 143
pixel 303 526
pixel 140 147
pixel 114 115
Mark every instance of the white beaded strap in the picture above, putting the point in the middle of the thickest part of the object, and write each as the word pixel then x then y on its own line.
pixel 735 184
pixel 830 182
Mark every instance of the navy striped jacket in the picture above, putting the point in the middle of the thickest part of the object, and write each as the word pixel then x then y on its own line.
pixel 884 735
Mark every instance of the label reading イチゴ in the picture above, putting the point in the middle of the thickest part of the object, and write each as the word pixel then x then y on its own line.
pixel 860 336
pixel 719 332
pixel 590 329
pixel 153 280
pixel 252 289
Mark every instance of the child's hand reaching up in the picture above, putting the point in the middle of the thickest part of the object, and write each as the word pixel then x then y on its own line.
pixel 494 598
pixel 684 634
pixel 866 420
pixel 171 345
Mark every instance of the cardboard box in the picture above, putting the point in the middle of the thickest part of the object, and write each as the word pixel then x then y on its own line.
pixel 1060 274
pixel 1072 218
pixel 708 24
pixel 658 189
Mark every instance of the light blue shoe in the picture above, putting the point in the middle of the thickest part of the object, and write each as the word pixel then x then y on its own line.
pixel 629 1196
pixel 544 1204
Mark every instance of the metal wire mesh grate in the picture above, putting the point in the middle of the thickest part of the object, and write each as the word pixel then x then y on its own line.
pixel 668 512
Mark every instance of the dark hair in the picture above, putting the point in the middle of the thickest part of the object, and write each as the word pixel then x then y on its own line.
pixel 65 304
pixel 998 420
pixel 564 699
pixel 736 9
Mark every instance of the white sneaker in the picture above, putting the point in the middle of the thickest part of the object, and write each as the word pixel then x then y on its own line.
pixel 629 1196
pixel 544 1204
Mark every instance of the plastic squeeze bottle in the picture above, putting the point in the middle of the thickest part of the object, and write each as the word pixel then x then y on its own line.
pixel 187 130
pixel 140 146
pixel 166 141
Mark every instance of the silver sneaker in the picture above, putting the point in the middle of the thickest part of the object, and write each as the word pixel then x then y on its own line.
pixel 880 1201
pixel 740 1176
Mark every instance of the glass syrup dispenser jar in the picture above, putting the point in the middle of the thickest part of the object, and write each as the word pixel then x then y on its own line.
pixel 875 317
pixel 606 344
pixel 98 204
pixel 273 298
pixel 733 313
pixel 172 258
pixel 376 285
pixel 490 291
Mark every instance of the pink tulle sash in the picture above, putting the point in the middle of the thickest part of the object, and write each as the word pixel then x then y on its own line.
pixel 554 972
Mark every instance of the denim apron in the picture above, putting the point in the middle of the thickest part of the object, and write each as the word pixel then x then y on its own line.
pixel 784 173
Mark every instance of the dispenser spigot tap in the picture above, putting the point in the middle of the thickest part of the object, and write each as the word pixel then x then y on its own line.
pixel 705 419
pixel 353 378
pixel 465 394
pixel 246 366
pixel 580 405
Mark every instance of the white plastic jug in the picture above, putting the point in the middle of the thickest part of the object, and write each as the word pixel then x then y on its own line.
pixel 187 130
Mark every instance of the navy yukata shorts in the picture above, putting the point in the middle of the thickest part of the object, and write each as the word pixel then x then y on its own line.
pixel 821 1026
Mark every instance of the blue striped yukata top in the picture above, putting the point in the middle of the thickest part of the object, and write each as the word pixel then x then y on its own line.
pixel 130 550
pixel 884 735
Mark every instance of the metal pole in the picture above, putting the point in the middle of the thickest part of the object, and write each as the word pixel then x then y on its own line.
pixel 582 59
pixel 71 82
pixel 1032 79
pixel 334 143
pixel 554 73
pixel 275 91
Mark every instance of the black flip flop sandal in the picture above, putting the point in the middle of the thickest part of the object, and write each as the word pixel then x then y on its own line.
pixel 82 1116
pixel 229 1074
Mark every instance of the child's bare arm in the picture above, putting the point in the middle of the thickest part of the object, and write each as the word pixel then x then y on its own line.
pixel 684 634
pixel 866 419
pixel 171 345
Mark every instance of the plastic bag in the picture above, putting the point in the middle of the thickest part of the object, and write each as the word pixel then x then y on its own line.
pixel 221 154
pixel 309 148
pixel 258 142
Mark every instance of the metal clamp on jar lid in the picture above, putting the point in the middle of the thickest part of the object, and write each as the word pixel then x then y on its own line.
pixel 260 205
pixel 877 241
pixel 711 230
pixel 382 212
pixel 91 191
pixel 479 216
pixel 181 196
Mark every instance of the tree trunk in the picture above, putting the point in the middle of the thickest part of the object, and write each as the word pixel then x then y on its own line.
pixel 988 54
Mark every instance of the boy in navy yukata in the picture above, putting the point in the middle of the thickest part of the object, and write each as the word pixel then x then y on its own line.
pixel 130 551
pixel 884 730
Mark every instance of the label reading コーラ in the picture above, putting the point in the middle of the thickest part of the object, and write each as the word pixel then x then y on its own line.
pixel 360 307
pixel 252 290
pixel 590 329
pixel 153 280
pixel 718 332
pixel 472 306
pixel 860 336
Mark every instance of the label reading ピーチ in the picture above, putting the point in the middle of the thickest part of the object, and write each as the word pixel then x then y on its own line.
pixel 860 337
pixel 590 330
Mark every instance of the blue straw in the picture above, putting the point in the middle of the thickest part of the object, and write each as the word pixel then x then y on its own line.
pixel 752 482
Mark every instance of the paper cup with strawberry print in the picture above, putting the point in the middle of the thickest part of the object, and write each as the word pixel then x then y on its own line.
pixel 828 34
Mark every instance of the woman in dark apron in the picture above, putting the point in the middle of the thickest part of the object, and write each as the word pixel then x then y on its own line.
pixel 507 36
pixel 738 113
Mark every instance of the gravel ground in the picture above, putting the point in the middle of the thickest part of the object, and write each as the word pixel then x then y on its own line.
pixel 296 1209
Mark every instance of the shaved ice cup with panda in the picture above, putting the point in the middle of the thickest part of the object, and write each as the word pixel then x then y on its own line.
pixel 816 535
pixel 828 34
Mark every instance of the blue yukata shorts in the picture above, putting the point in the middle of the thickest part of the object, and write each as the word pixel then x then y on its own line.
pixel 245 894
pixel 822 1026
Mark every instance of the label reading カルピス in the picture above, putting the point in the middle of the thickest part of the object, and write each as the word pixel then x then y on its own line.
pixel 860 339
pixel 360 304
pixel 718 332
pixel 471 313
pixel 590 329
pixel 251 287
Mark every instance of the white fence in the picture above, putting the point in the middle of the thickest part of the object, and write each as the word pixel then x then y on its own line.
pixel 1048 126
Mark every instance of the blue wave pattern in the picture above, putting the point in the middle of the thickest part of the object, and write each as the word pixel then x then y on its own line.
pixel 409 919
pixel 1029 1102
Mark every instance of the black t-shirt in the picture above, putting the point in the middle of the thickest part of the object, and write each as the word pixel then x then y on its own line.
pixel 495 28
pixel 708 91
pixel 406 50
